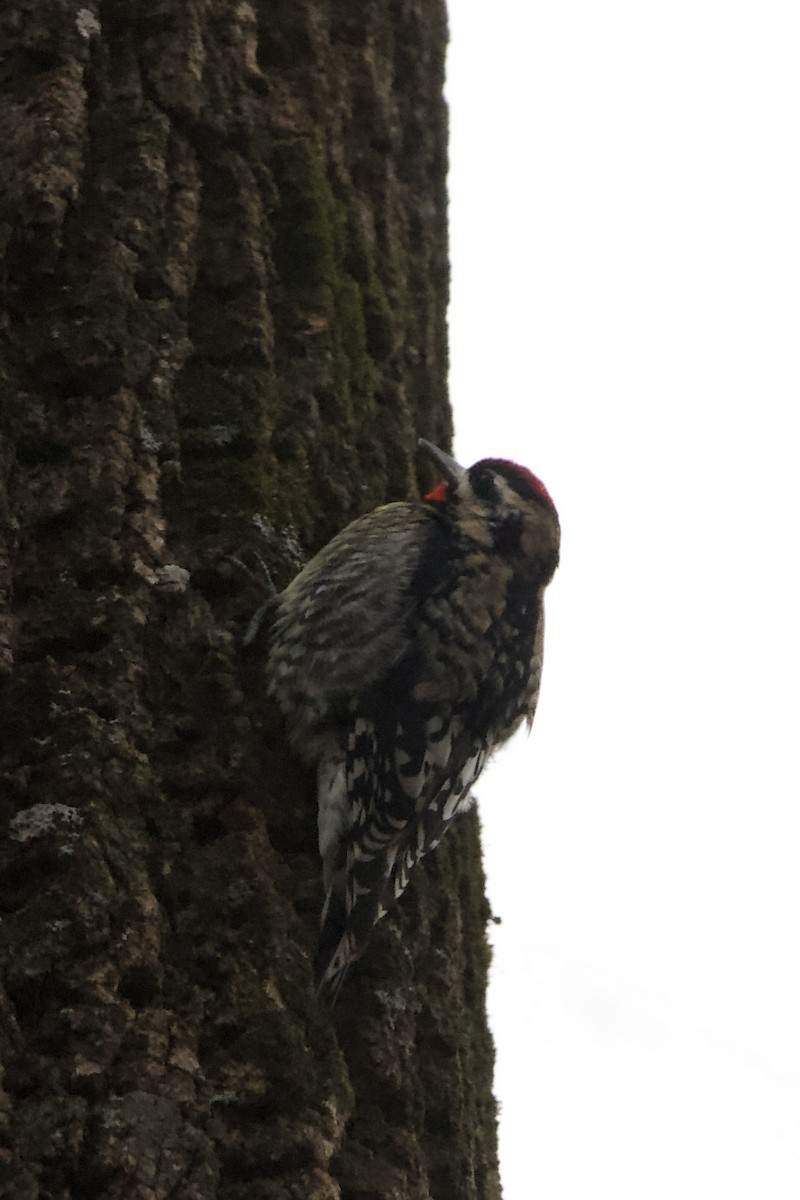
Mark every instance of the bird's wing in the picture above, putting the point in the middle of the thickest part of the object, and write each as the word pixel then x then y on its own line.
pixel 342 624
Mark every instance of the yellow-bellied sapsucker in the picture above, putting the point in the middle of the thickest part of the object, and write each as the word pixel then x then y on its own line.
pixel 403 654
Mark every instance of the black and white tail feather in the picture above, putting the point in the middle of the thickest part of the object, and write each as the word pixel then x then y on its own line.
pixel 393 831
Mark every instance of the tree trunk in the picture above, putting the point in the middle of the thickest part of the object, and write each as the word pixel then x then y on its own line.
pixel 223 232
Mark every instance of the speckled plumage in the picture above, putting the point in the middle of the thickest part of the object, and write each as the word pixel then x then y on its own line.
pixel 403 654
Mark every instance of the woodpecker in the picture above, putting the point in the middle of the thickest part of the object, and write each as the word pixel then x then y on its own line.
pixel 402 656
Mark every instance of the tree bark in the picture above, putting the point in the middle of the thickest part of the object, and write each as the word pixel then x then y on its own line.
pixel 223 234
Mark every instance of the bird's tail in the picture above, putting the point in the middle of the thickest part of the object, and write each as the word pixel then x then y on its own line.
pixel 353 906
pixel 336 948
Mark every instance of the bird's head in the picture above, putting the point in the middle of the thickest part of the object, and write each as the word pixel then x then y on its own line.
pixel 499 501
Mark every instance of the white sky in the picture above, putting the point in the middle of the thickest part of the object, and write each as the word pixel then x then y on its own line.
pixel 625 320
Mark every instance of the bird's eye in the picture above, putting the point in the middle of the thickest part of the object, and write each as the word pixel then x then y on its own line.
pixel 484 484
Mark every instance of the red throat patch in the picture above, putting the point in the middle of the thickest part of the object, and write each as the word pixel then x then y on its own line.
pixel 439 494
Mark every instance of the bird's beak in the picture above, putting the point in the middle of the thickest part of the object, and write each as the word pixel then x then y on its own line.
pixel 453 470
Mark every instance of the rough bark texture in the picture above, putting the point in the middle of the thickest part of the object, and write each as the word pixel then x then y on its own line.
pixel 223 235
